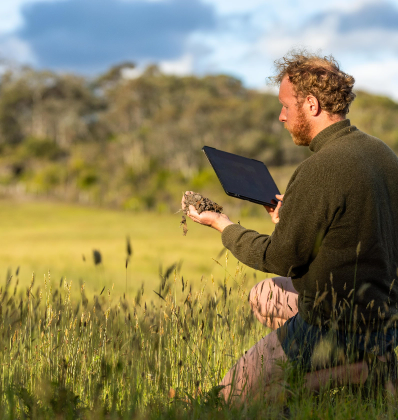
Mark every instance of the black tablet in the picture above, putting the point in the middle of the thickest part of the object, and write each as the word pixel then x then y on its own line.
pixel 244 178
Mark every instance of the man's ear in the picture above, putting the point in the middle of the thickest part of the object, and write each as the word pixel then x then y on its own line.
pixel 313 105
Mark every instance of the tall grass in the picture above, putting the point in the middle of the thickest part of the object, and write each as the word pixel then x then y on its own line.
pixel 109 352
pixel 106 356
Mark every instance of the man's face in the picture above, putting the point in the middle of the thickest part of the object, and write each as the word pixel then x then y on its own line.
pixel 293 115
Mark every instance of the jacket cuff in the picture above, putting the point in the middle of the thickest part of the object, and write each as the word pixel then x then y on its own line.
pixel 230 235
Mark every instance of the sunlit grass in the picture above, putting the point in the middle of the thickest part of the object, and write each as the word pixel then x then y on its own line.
pixel 81 348
pixel 107 357
pixel 109 351
pixel 38 237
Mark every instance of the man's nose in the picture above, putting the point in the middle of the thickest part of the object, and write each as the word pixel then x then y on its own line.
pixel 282 116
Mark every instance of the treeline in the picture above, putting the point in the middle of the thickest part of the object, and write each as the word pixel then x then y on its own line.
pixel 135 142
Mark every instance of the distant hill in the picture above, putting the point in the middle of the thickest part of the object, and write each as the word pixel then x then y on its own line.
pixel 136 143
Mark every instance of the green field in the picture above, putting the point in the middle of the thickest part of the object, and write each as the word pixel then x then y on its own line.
pixel 68 354
pixel 43 237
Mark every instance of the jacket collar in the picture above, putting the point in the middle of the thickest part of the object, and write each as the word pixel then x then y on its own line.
pixel 333 131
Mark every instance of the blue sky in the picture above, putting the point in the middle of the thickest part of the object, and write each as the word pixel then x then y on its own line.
pixel 241 38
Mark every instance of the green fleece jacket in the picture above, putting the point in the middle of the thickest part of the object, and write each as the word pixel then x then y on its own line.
pixel 337 237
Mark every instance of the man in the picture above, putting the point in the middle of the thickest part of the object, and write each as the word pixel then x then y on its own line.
pixel 335 242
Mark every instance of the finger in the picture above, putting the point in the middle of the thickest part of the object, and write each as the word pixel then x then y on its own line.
pixel 193 215
pixel 279 196
pixel 275 213
pixel 192 211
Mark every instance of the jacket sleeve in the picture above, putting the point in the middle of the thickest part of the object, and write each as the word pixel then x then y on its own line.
pixel 309 207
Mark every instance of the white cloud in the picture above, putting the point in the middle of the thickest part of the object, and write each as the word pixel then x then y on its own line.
pixel 378 77
pixel 132 73
pixel 361 42
pixel 10 14
pixel 180 67
pixel 293 8
pixel 248 50
pixel 15 50
pixel 362 52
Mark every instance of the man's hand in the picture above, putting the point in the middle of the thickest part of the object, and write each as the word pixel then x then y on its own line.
pixel 218 221
pixel 274 212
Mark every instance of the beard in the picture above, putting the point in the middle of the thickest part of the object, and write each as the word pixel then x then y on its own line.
pixel 300 132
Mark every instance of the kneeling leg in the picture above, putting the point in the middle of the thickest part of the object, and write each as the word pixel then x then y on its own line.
pixel 255 371
pixel 274 301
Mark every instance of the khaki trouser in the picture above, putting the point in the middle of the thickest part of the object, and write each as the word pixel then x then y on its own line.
pixel 273 302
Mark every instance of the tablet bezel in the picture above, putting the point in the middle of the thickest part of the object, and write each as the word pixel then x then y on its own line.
pixel 232 194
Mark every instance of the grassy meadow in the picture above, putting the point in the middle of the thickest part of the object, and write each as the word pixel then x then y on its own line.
pixel 79 348
pixel 42 237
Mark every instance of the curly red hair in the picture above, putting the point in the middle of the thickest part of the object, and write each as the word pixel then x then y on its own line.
pixel 319 76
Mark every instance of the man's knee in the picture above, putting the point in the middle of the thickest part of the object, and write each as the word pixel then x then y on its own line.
pixel 257 290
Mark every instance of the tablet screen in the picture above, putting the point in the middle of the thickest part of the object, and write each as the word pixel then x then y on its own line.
pixel 241 177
